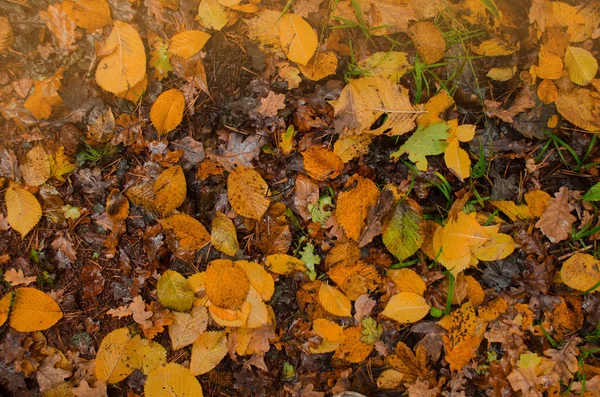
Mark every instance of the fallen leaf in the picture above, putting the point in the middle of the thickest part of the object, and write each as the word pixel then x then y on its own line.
pixel 334 301
pixel 556 221
pixel 208 351
pixel 298 39
pixel 406 307
pixel 271 104
pixel 247 193
pixel 88 14
pixel 17 277
pixel 226 284
pixel 188 43
pixel 24 211
pixel 167 111
pixel 174 291
pixel 172 380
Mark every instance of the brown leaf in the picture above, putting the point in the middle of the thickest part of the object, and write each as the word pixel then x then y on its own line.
pixel 239 151
pixel 270 105
pixel 140 315
pixel 61 26
pixel 93 281
pixel 556 221
pixel 306 193
pixel 48 375
pixel 525 100
pixel 16 277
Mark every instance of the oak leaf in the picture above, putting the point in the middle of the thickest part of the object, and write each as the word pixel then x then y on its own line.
pixel 17 277
pixel 270 105
pixel 556 221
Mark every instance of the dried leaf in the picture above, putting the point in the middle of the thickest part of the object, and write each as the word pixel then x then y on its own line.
pixel 88 14
pixel 187 327
pixel 353 206
pixel 428 40
pixel 45 96
pixel 17 277
pixel 259 278
pixel 556 221
pixel 7 36
pixel 581 272
pixel 322 164
pixel 323 64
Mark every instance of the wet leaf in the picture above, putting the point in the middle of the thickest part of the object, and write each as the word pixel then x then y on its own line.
pixel 334 301
pixel 298 39
pixel 172 380
pixel 402 230
pixel 174 291
pixel 247 193
pixel 208 351
pixel 226 284
pixel 188 43
pixel 24 211
pixel 167 111
pixel 406 307
pixel 88 14
pixel 191 235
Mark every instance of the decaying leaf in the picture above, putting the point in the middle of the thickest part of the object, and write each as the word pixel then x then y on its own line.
pixel 556 220
pixel 247 192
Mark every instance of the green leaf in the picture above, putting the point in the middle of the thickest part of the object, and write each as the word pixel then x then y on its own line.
pixel 489 4
pixel 175 292
pixel 403 229
pixel 318 213
pixel 593 194
pixel 310 259
pixel 371 331
pixel 426 141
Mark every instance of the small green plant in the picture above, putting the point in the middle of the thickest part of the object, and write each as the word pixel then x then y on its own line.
pixel 97 155
pixel 288 371
pixel 560 146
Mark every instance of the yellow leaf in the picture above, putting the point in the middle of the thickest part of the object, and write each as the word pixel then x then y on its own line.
pixel 328 330
pixel 581 64
pixel 407 280
pixel 461 236
pixel 547 91
pixel 134 94
pixel 351 348
pixel 457 160
pixel 211 15
pixel 188 43
pixel 7 36
pixel 259 313
pixel 208 351
pixel 60 165
pixel 174 291
pixel 464 132
pixel 321 164
pixel 434 107
pixel 88 14
pixel 223 235
pixel 353 205
pixel 191 235
pixel 230 318
pixel 285 264
pixel 499 246
pixel 170 189
pixel 578 106
pixel 259 278
pixel 389 379
pixel 226 284
pixel 537 201
pixel 45 96
pixel 112 363
pixel 172 380
pixel 352 147
pixel 298 39
pixel 406 307
pixel 264 29
pixel 391 65
pixel 36 166
pixel 502 74
pixel 187 327
pixel 334 301
pixel 513 211
pixel 323 64
pixel 144 354
pixel 124 61
pixel 5 304
pixel 247 193
pixel 493 48
pixel 196 280
pixel 428 40
pixel 550 65
pixel 24 211
pixel 581 272
pixel 167 111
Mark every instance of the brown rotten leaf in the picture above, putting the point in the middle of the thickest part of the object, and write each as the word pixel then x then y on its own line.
pixel 556 221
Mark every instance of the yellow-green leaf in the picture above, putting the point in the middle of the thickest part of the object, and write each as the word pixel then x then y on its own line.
pixel 581 64
pixel 175 292
pixel 223 235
